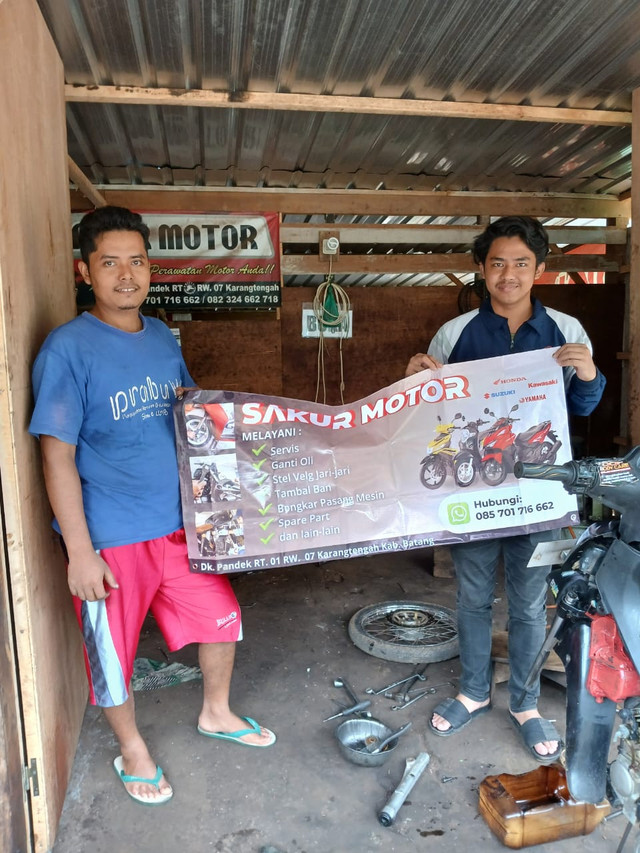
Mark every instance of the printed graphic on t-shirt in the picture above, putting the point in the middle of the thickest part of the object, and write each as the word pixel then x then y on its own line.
pixel 151 399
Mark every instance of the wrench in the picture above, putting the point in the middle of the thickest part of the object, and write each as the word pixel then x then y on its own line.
pixel 417 675
pixel 390 687
pixel 413 699
pixel 426 692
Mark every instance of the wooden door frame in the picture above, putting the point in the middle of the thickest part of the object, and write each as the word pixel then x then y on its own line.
pixel 45 695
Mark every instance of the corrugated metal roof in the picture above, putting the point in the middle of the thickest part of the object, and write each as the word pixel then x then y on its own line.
pixel 540 52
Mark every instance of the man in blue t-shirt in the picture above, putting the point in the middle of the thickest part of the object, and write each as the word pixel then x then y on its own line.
pixel 510 253
pixel 104 385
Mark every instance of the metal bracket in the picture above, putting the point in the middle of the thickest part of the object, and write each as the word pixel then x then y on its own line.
pixel 30 778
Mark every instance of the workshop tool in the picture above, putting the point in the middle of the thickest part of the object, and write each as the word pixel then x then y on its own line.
pixel 353 736
pixel 351 693
pixel 390 687
pixel 429 691
pixel 409 700
pixel 414 768
pixel 375 746
pixel 418 675
pixel 346 711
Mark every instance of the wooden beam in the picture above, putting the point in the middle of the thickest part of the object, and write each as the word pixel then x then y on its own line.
pixel 575 277
pixel 340 104
pixel 359 202
pixel 449 262
pixel 633 312
pixel 435 234
pixel 88 190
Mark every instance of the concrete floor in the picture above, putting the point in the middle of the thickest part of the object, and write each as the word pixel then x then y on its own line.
pixel 301 795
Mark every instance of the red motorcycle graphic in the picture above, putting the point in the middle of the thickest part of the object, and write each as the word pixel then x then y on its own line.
pixel 499 447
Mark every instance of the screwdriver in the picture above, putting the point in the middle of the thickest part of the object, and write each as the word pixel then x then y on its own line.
pixel 353 710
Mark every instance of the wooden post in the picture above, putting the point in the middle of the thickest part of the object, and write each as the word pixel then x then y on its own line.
pixel 634 281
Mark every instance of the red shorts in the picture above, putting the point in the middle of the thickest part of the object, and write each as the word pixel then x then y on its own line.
pixel 189 608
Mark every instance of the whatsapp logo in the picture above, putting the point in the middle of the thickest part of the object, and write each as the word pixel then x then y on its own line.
pixel 458 513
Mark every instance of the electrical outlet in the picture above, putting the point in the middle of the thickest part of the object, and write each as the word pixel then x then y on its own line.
pixel 330 246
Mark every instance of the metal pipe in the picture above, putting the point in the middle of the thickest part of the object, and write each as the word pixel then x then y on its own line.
pixel 413 770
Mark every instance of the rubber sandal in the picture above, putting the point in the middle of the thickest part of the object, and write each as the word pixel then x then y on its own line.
pixel 537 730
pixel 125 779
pixel 254 729
pixel 454 712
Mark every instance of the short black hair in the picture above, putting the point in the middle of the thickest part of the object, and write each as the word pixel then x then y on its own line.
pixel 528 229
pixel 109 218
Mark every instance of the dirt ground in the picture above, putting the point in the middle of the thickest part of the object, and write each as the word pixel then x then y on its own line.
pixel 301 795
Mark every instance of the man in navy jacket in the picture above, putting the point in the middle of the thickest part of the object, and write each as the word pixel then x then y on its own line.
pixel 510 254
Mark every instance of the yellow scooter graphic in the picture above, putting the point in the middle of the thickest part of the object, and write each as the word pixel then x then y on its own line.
pixel 438 460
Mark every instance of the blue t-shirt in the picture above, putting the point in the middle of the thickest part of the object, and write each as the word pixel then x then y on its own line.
pixel 110 393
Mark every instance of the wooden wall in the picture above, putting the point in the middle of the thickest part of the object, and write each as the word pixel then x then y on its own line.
pixel 266 354
pixel 36 294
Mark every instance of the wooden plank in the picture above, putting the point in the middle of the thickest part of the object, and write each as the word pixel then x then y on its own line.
pixel 427 263
pixel 14 828
pixel 359 202
pixel 78 177
pixel 633 307
pixel 437 234
pixel 36 294
pixel 160 96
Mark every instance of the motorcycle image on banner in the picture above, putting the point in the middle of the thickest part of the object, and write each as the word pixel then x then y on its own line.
pixel 500 447
pixel 596 632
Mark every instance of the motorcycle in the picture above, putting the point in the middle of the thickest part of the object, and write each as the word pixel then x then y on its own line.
pixel 201 433
pixel 501 448
pixel 467 462
pixel 596 631
pixel 439 459
pixel 213 487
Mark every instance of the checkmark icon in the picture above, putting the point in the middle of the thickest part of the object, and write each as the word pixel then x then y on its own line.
pixel 262 479
pixel 258 465
pixel 258 450
pixel 265 510
pixel 267 539
pixel 265 524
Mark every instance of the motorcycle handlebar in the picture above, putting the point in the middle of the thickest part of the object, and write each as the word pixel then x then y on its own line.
pixel 576 477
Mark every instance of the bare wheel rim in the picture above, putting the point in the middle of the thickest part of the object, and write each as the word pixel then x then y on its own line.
pixel 410 625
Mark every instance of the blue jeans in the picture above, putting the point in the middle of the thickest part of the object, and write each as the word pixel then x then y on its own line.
pixel 476 565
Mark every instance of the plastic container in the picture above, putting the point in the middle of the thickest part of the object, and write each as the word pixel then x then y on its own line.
pixel 535 808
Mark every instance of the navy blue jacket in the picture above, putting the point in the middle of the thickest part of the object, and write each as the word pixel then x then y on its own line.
pixel 484 334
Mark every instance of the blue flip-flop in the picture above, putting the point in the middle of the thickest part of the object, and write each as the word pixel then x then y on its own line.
pixel 254 729
pixel 125 779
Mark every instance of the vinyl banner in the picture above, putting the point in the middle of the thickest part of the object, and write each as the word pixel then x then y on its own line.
pixel 222 260
pixel 270 481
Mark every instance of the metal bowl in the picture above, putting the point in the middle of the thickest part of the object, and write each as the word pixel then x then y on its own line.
pixel 354 735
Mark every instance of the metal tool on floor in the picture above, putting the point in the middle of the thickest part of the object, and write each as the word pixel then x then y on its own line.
pixel 354 735
pixel 390 687
pixel 414 768
pixel 418 675
pixel 376 745
pixel 351 693
pixel 407 699
pixel 346 711
pixel 428 692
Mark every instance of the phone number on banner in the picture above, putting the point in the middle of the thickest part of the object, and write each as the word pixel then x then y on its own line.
pixel 214 295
